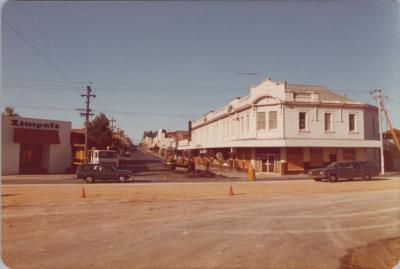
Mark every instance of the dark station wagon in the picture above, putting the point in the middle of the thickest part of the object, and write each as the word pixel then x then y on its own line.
pixel 345 169
pixel 93 172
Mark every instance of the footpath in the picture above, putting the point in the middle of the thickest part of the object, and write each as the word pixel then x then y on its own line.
pixel 269 176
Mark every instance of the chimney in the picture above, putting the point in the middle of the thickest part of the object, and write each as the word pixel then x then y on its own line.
pixel 190 130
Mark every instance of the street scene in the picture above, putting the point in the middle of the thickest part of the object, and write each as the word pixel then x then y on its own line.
pixel 190 222
pixel 200 135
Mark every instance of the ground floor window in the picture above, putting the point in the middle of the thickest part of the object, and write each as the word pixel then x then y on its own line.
pixel 349 154
pixel 295 159
pixel 316 157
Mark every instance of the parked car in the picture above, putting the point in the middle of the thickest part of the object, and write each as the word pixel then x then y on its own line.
pixel 345 169
pixel 93 172
pixel 170 163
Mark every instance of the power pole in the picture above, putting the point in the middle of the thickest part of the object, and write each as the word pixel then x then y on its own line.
pixel 112 123
pixel 380 99
pixel 87 114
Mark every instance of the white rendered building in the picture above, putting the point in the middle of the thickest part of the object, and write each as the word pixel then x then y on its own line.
pixel 288 128
pixel 30 145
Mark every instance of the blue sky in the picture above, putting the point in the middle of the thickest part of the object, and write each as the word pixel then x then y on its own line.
pixel 160 64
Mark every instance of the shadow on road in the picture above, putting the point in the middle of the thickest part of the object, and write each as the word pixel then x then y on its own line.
pixel 149 174
pixel 141 181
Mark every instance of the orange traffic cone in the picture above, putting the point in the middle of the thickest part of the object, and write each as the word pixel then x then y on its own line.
pixel 83 194
pixel 231 191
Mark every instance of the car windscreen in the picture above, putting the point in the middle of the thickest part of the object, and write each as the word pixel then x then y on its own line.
pixel 108 154
pixel 333 165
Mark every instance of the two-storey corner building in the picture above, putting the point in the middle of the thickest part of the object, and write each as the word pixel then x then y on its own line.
pixel 287 128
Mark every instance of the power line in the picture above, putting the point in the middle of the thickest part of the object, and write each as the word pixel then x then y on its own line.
pixel 164 85
pixel 49 63
pixel 103 110
pixel 160 87
pixel 42 80
pixel 140 91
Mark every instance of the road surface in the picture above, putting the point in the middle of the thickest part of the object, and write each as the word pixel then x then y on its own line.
pixel 282 224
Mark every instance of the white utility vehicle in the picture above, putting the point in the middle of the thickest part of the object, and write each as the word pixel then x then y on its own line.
pixel 107 157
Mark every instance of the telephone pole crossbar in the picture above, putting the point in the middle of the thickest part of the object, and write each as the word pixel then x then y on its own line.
pixel 87 113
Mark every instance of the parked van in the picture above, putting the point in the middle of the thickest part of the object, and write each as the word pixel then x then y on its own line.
pixel 345 169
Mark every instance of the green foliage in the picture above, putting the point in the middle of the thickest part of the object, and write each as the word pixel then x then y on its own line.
pixel 100 133
pixel 9 111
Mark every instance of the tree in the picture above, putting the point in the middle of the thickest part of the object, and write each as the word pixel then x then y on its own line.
pixel 100 133
pixel 9 111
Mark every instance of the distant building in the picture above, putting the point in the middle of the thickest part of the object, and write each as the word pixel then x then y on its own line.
pixel 148 140
pixel 287 128
pixel 163 140
pixel 77 141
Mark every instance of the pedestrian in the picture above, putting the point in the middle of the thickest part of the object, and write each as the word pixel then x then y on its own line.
pixel 191 165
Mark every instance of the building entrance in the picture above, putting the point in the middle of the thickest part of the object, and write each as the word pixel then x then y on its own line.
pixel 30 158
pixel 268 163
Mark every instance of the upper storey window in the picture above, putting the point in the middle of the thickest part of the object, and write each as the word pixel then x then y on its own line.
pixel 352 122
pixel 302 120
pixel 260 120
pixel 328 121
pixel 273 119
pixel 302 96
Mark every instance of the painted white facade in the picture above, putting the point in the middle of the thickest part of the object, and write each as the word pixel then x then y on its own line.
pixel 235 125
pixel 163 141
pixel 55 157
pixel 148 142
pixel 278 117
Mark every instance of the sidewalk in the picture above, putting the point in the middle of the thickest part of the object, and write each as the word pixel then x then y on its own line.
pixel 38 176
pixel 267 176
pixel 259 176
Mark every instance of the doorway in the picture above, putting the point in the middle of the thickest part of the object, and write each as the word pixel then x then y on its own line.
pixel 30 158
pixel 268 163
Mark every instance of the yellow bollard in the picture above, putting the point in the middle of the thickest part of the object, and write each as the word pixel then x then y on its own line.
pixel 251 175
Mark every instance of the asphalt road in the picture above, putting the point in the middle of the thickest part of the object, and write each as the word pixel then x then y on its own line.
pixel 146 168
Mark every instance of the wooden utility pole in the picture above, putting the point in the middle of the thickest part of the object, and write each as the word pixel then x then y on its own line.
pixel 112 123
pixel 87 114
pixel 379 97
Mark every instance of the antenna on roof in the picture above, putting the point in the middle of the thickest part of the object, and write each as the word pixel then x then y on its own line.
pixel 247 73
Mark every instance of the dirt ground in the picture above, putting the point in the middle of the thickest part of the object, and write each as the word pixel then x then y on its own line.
pixel 282 224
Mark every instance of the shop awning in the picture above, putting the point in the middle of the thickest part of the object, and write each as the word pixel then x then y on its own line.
pixel 33 136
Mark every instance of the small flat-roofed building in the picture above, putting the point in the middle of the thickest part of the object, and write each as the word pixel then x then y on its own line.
pixel 30 145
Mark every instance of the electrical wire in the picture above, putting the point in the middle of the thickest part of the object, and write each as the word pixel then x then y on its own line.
pixel 103 110
pixel 49 63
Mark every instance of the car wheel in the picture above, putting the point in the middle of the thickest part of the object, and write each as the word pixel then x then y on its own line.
pixel 122 179
pixel 332 178
pixel 317 179
pixel 89 179
pixel 367 177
